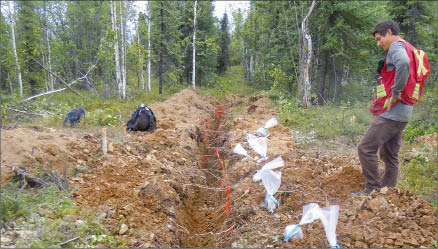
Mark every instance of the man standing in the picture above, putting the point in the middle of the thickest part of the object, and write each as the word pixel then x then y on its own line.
pixel 400 85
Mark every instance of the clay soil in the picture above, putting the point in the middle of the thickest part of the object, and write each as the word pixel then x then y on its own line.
pixel 167 187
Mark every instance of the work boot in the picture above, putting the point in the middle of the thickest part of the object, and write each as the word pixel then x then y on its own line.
pixel 361 193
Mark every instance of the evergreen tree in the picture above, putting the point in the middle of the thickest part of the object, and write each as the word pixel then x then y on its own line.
pixel 342 45
pixel 224 56
pixel 236 41
pixel 7 73
pixel 29 40
pixel 412 16
pixel 165 38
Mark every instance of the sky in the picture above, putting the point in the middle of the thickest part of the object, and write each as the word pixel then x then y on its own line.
pixel 219 8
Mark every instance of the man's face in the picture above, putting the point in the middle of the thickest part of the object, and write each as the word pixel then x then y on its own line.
pixel 384 41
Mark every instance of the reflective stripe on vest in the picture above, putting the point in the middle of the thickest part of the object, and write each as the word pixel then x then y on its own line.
pixel 381 91
pixel 386 103
pixel 416 91
pixel 421 68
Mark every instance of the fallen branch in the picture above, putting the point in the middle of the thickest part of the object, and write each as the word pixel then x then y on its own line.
pixel 205 187
pixel 28 113
pixel 45 93
pixel 84 76
pixel 30 179
pixel 62 81
pixel 68 241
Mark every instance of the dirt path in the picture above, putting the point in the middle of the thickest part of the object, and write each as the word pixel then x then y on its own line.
pixel 168 187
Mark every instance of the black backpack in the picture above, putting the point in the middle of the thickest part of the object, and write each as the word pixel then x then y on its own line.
pixel 74 116
pixel 143 119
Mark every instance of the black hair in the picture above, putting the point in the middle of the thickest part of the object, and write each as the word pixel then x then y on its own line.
pixel 382 27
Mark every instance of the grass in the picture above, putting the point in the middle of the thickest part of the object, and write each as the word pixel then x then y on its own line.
pixel 329 122
pixel 419 173
pixel 111 111
pixel 55 218
pixel 232 82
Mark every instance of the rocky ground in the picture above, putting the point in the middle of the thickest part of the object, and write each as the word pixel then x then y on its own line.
pixel 167 188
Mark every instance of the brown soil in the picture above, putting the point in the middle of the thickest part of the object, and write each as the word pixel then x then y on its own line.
pixel 167 186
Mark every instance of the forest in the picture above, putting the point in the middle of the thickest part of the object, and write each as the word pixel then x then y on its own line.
pixel 88 45
pixel 75 173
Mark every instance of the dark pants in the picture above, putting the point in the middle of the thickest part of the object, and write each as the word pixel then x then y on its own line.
pixel 383 135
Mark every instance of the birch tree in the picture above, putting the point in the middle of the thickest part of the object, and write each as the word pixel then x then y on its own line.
pixel 47 39
pixel 123 50
pixel 194 45
pixel 14 49
pixel 306 57
pixel 140 59
pixel 116 47
pixel 149 46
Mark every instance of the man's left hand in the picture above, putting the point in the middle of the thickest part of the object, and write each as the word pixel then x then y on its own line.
pixel 392 101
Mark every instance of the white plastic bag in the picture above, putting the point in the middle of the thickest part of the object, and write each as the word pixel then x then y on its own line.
pixel 271 180
pixel 271 123
pixel 276 163
pixel 293 231
pixel 270 203
pixel 329 221
pixel 311 212
pixel 263 132
pixel 258 144
pixel 240 150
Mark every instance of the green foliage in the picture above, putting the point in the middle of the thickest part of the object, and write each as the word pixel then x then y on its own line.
pixel 236 42
pixel 420 175
pixel 346 122
pixel 55 215
pixel 13 205
pixel 224 43
pixel 345 47
pixel 28 46
pixel 232 83
pixel 98 111
pixel 425 115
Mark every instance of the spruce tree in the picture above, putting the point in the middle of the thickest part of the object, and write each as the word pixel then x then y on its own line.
pixel 224 43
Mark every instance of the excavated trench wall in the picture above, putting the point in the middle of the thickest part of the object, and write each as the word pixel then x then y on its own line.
pixel 203 212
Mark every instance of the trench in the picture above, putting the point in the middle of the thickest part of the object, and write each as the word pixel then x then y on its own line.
pixel 203 213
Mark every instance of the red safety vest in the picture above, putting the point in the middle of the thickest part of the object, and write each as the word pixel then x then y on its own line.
pixel 419 69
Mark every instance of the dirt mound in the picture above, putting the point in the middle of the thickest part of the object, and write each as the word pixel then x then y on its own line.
pixel 47 148
pixel 389 218
pixel 430 140
pixel 169 188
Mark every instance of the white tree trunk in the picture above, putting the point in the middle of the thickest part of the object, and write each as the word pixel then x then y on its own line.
pixel 304 91
pixel 49 62
pixel 194 45
pixel 251 67
pixel 149 48
pixel 123 52
pixel 116 47
pixel 140 59
pixel 11 89
pixel 14 48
